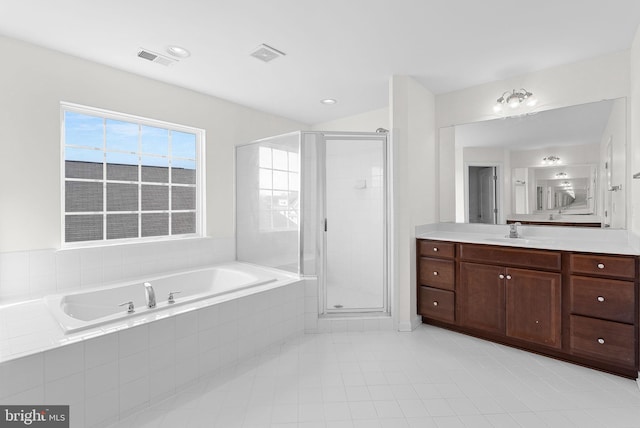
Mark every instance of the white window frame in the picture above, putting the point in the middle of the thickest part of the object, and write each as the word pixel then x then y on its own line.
pixel 139 120
pixel 271 229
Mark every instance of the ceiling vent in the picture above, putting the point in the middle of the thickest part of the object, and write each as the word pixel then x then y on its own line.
pixel 266 53
pixel 154 57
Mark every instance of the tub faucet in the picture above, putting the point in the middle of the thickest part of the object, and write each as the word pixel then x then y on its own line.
pixel 150 294
pixel 513 230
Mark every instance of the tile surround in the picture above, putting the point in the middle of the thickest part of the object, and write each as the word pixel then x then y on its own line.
pixel 33 274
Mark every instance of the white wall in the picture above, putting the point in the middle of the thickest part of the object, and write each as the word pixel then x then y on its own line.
pixel 34 80
pixel 604 77
pixel 633 207
pixel 364 122
pixel 414 171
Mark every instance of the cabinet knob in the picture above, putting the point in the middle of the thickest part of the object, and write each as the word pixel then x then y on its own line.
pixel 601 341
pixel 435 249
pixel 508 276
pixel 435 303
pixel 600 265
pixel 501 276
pixel 601 299
pixel 435 273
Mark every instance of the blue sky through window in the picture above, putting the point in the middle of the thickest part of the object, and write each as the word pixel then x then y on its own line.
pixel 123 142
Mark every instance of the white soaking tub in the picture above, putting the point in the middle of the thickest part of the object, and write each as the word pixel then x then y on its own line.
pixel 91 308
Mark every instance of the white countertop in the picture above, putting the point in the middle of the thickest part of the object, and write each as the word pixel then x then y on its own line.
pixel 590 240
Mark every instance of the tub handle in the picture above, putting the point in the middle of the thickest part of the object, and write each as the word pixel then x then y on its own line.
pixel 171 299
pixel 130 309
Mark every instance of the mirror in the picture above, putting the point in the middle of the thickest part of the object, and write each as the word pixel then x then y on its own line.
pixel 563 166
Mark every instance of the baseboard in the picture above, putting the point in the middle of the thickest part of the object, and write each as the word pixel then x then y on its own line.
pixel 411 325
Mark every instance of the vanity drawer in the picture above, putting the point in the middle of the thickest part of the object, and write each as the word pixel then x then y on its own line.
pixel 603 298
pixel 604 340
pixel 506 256
pixel 427 248
pixel 595 264
pixel 437 304
pixel 437 273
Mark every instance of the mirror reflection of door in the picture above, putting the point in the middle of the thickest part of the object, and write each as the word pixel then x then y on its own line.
pixel 483 207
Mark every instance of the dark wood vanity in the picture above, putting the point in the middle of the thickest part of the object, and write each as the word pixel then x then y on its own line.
pixel 578 307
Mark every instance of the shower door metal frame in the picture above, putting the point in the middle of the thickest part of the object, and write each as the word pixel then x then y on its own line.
pixel 322 298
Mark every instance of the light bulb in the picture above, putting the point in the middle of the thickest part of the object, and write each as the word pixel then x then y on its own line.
pixel 514 102
pixel 532 101
pixel 497 107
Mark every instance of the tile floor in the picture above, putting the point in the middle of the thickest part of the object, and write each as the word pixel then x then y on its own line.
pixel 428 378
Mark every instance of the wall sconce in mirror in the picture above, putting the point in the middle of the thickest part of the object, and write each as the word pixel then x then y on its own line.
pixel 561 175
pixel 515 99
pixel 520 182
pixel 551 160
pixel 636 175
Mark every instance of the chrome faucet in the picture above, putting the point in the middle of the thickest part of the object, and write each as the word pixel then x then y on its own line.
pixel 150 295
pixel 513 230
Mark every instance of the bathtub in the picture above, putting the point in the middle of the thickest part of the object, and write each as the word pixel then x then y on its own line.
pixel 192 289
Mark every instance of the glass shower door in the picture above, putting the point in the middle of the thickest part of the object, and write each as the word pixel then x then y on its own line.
pixel 355 231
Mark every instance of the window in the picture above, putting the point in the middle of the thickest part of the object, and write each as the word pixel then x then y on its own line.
pixel 129 178
pixel 279 189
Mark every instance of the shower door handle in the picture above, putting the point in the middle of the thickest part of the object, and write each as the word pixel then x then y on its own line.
pixel 325 224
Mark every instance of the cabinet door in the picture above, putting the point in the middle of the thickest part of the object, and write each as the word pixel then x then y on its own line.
pixel 533 306
pixel 481 297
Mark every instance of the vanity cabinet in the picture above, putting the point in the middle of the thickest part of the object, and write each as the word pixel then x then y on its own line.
pixel 603 308
pixel 436 279
pixel 523 304
pixel 578 307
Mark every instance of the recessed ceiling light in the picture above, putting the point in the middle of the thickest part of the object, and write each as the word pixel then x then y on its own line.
pixel 178 51
pixel 328 101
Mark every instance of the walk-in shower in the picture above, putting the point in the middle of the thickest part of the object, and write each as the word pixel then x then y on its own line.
pixel 315 203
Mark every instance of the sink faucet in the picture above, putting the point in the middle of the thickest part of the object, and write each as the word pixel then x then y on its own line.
pixel 513 230
pixel 150 295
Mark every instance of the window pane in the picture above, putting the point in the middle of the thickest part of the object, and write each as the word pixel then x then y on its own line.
pixel 265 200
pixel 83 196
pixel 155 198
pixel 280 160
pixel 265 178
pixel 182 223
pixel 294 183
pixel 155 224
pixel 122 136
pixel 183 175
pixel 122 197
pixel 280 180
pixel 82 228
pixel 83 130
pixel 265 157
pixel 155 174
pixel 155 140
pixel 120 226
pixel 293 162
pixel 280 200
pixel 183 198
pixel 122 172
pixel 183 145
pixel 78 169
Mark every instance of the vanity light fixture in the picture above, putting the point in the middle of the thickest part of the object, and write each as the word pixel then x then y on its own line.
pixel 561 175
pixel 551 160
pixel 514 99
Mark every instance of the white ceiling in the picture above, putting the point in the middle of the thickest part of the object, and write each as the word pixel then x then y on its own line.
pixel 342 49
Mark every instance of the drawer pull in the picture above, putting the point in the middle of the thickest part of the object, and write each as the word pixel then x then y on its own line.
pixel 435 273
pixel 601 341
pixel 601 299
pixel 435 303
pixel 508 276
pixel 600 265
pixel 501 276
pixel 435 249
